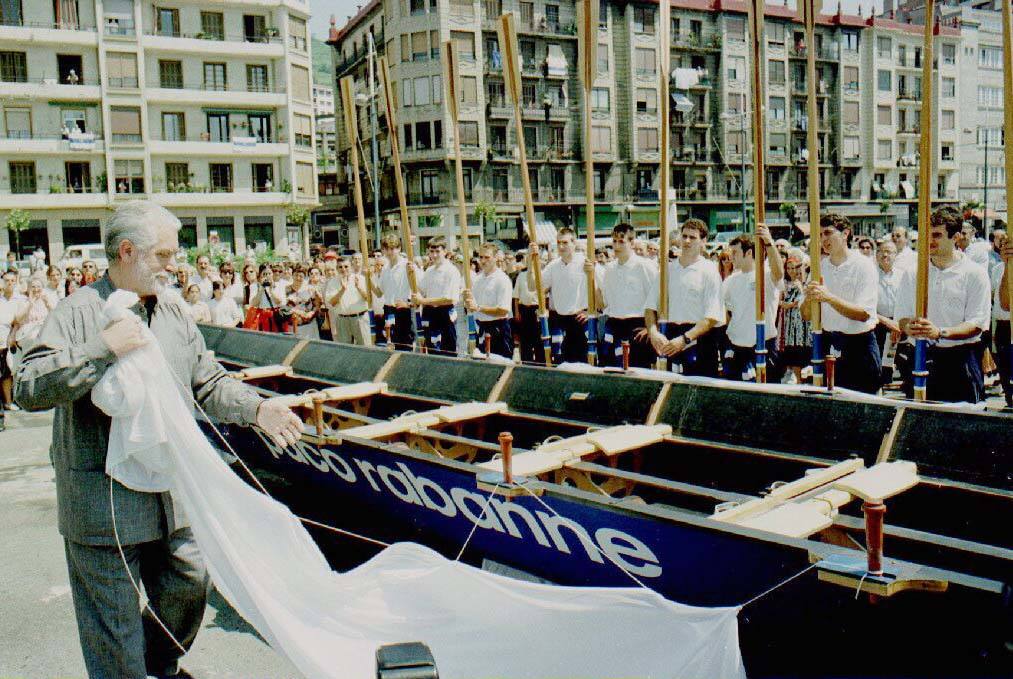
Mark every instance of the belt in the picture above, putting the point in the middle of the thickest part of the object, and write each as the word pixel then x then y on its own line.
pixel 351 315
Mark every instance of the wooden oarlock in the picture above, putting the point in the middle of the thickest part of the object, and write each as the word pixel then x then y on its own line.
pixel 587 46
pixel 507 32
pixel 664 168
pixel 1007 103
pixel 926 152
pixel 756 18
pixel 810 9
pixel 402 201
pixel 626 354
pixel 506 446
pixel 352 130
pixel 452 88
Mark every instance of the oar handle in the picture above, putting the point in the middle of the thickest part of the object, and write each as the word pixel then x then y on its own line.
pixel 506 447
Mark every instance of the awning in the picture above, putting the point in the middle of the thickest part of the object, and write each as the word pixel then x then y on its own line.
pixel 545 232
pixel 685 78
pixel 683 104
pixel 908 189
pixel 238 111
pixel 555 62
pixel 62 103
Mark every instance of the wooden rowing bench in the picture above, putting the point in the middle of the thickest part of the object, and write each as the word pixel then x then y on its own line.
pixel 808 505
pixel 415 422
pixel 261 371
pixel 354 395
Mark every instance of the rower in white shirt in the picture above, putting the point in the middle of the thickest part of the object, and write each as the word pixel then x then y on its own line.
pixel 849 294
pixel 694 306
pixel 393 286
pixel 959 310
pixel 623 291
pixel 565 282
pixel 491 299
pixel 347 305
pixel 439 289
pixel 1001 314
pixel 529 335
pixel 739 295
pixel 889 282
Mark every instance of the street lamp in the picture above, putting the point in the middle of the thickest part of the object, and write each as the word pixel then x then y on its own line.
pixel 741 115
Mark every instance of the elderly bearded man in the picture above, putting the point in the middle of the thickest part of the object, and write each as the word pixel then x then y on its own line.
pixel 73 350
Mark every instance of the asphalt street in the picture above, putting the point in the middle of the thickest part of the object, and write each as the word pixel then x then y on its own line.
pixel 38 632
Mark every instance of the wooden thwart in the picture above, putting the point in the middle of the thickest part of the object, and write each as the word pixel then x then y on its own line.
pixel 259 372
pixel 418 421
pixel 346 392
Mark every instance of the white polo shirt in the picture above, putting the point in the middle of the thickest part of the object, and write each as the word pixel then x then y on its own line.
pixel 998 313
pixel 888 284
pixel 393 282
pixel 351 302
pixel 739 294
pixel 525 294
pixel 694 292
pixel 567 284
pixel 627 287
pixel 9 310
pixel 906 259
pixel 492 290
pixel 857 282
pixel 442 281
pixel 959 293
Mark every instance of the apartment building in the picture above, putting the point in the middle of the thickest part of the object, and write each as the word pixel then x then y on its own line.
pixel 203 107
pixel 868 87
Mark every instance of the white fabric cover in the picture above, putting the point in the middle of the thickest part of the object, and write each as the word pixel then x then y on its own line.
pixel 329 625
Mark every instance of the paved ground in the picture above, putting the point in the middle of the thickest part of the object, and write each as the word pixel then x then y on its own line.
pixel 38 633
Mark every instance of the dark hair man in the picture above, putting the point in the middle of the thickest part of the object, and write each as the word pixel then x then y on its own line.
pixel 623 289
pixel 439 289
pixel 396 292
pixel 565 281
pixel 490 300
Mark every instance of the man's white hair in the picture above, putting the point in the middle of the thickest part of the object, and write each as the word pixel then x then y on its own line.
pixel 137 221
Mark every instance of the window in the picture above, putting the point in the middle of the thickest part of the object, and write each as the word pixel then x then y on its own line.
pixel 121 68
pixel 990 136
pixel 884 149
pixel 300 79
pixel 465 44
pixel 777 142
pixel 218 127
pixel 775 72
pixel 884 80
pixel 600 99
pixel 947 151
pixel 949 88
pixel 494 93
pixel 170 74
pixel 735 28
pixel 423 136
pixel 407 92
pixel 297 33
pixel 469 133
pixel 221 177
pixel 22 177
pixel 851 146
pixel 438 89
pixel 463 8
pixel 257 230
pixel 645 61
pixel 990 57
pixel 949 54
pixel 303 129
pixel 736 103
pixel 883 47
pixel 254 28
pixel 527 48
pixel 420 46
pixel 647 100
pixel 530 138
pixel 732 142
pixel 77 177
pixel 850 40
pixel 18 123
pixel 173 126
pixel 601 139
pixel 421 87
pixel 69 69
pixel 167 22
pixel 259 125
pixel 774 33
pixel 647 140
pixel 850 109
pixel 129 176
pixel 263 177
pixel 74 119
pixel 497 138
pixel 556 138
pixel 736 68
pixel 214 76
pixel 884 115
pixel 989 96
pixel 212 26
pixel 304 180
pixel 643 20
pixel 850 79
pixel 177 176
pixel 528 94
pixel 776 108
pixel 469 89
pixel 408 143
pixel 126 123
pixel 602 53
pixel 948 119
pixel 256 78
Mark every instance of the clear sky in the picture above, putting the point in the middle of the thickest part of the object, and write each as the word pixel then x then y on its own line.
pixel 342 9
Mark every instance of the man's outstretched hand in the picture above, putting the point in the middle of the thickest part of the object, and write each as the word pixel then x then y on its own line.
pixel 279 422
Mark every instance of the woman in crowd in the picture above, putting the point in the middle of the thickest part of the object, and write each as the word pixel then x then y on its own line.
pixel 230 286
pixel 90 271
pixel 794 336
pixel 250 286
pixel 76 276
pixel 54 285
pixel 224 310
pixel 304 301
pixel 199 311
pixel 29 321
pixel 266 312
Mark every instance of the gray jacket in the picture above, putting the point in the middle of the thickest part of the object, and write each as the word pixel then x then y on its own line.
pixel 58 371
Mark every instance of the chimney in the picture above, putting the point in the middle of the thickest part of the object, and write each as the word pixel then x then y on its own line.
pixel 332 33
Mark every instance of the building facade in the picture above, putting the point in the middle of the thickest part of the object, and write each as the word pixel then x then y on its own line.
pixel 203 107
pixel 869 94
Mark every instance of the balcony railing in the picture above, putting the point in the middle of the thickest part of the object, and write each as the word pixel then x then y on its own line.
pixel 122 83
pixel 358 54
pixel 48 80
pixel 173 84
pixel 123 29
pixel 62 26
pixel 262 38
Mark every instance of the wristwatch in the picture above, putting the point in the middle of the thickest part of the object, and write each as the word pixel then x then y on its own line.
pixel 942 333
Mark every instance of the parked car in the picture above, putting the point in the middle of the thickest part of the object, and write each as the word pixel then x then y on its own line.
pixel 721 239
pixel 75 255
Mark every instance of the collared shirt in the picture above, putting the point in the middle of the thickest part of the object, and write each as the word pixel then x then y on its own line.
pixel 441 282
pixel 567 285
pixel 978 252
pixel 998 313
pixel 492 290
pixel 957 294
pixel 199 312
pixel 394 282
pixel 9 310
pixel 906 259
pixel 205 285
pixel 694 292
pixel 626 287
pixel 856 282
pixel 739 294
pixel 351 301
pixel 225 312
pixel 525 294
pixel 888 283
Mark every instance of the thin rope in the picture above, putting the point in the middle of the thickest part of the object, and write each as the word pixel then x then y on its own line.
pixel 474 524
pixel 343 531
pixel 780 584
pixel 858 590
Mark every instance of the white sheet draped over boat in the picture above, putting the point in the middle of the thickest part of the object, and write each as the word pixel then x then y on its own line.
pixel 329 625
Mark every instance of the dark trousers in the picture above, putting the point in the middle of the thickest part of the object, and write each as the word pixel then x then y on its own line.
pixel 618 330
pixel 530 335
pixel 858 365
pixel 954 375
pixel 882 333
pixel 569 338
pixel 1003 358
pixel 402 334
pixel 117 639
pixel 739 363
pixel 439 330
pixel 501 337
pixel 699 360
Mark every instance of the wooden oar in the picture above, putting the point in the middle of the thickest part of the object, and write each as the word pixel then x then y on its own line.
pixel 664 167
pixel 587 44
pixel 1007 103
pixel 512 80
pixel 352 129
pixel 926 150
pixel 810 9
pixel 755 8
pixel 406 228
pixel 450 74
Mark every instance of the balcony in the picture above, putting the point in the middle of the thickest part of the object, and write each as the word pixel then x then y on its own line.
pixel 50 87
pixel 427 198
pixel 119 28
pixel 223 94
pixel 544 26
pixel 205 147
pixel 822 53
pixel 689 40
pixel 265 45
pixel 239 197
pixel 345 64
pixel 909 97
pixel 66 33
pixel 550 194
pixel 50 144
pixel 56 197
pixel 909 129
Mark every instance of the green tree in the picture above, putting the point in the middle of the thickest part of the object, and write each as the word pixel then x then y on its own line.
pixel 486 212
pixel 18 221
